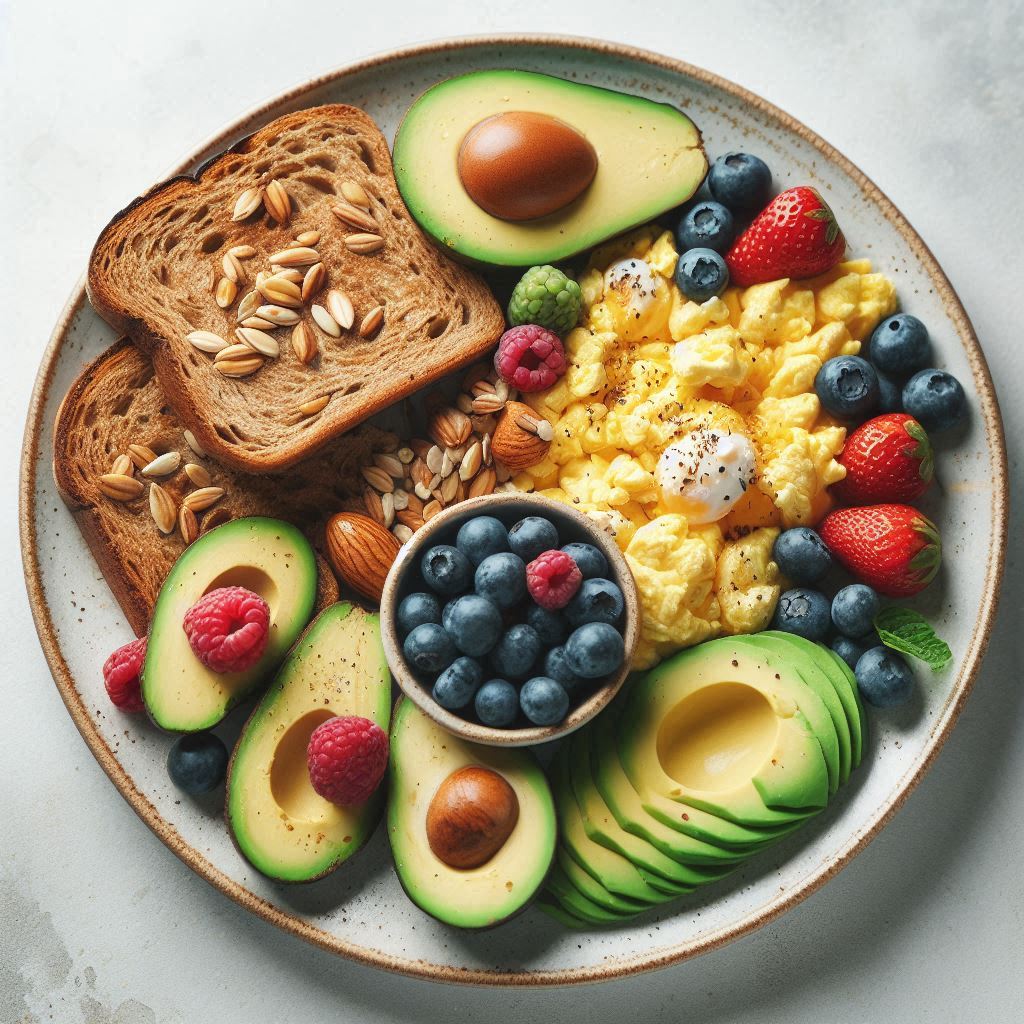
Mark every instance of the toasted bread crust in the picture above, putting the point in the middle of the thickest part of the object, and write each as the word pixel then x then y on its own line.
pixel 117 401
pixel 152 271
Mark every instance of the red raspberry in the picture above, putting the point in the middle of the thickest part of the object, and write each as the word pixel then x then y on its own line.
pixel 122 675
pixel 530 358
pixel 347 756
pixel 552 578
pixel 228 629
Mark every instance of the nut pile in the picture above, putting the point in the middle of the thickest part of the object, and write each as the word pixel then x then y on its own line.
pixel 279 297
pixel 122 484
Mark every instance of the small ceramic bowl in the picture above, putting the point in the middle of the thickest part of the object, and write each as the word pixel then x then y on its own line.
pixel 509 507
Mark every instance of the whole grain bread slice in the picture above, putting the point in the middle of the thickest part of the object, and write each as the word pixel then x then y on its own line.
pixel 117 401
pixel 154 270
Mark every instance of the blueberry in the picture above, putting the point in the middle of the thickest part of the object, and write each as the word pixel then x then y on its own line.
pixel 446 569
pixel 197 762
pixel 589 560
pixel 935 399
pixel 516 652
pixel 455 686
pixel 854 609
pixel 802 611
pixel 531 536
pixel 900 345
pixel 502 579
pixel 416 609
pixel 473 622
pixel 597 600
pixel 890 393
pixel 594 650
pixel 701 274
pixel 801 555
pixel 884 678
pixel 741 182
pixel 429 648
pixel 556 665
pixel 850 650
pixel 480 537
pixel 706 225
pixel 847 387
pixel 543 700
pixel 550 625
pixel 497 703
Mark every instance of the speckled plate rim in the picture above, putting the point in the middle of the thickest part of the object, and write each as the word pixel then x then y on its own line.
pixel 622 966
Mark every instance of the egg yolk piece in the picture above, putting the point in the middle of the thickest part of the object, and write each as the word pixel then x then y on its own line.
pixel 704 474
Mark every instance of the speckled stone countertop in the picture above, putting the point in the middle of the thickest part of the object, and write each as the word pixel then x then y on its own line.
pixel 99 922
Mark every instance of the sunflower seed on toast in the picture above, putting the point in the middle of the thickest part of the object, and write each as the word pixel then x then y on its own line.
pixel 202 499
pixel 304 343
pixel 242 252
pixel 258 322
pixel 226 292
pixel 120 487
pixel 161 508
pixel 325 321
pixel 371 322
pixel 247 204
pixel 308 238
pixel 279 292
pixel 163 465
pixel 378 479
pixel 354 216
pixel 277 201
pixel 206 341
pixel 142 455
pixel 233 269
pixel 339 305
pixel 278 316
pixel 199 475
pixel 190 440
pixel 258 341
pixel 238 361
pixel 188 525
pixel 292 274
pixel 364 243
pixel 123 466
pixel 355 194
pixel 249 304
pixel 314 405
pixel 297 256
pixel 313 281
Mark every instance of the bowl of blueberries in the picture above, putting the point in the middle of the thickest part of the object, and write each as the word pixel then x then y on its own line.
pixel 510 619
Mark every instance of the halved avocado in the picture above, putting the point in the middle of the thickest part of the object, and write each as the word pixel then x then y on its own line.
pixel 423 756
pixel 281 825
pixel 649 159
pixel 714 727
pixel 268 556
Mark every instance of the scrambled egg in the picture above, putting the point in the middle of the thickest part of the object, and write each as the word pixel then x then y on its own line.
pixel 646 367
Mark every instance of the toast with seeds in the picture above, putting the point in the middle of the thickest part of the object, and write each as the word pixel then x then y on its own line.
pixel 285 293
pixel 115 410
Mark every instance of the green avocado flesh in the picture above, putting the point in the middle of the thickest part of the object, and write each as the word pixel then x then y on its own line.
pixel 267 556
pixel 422 756
pixel 663 165
pixel 700 764
pixel 282 826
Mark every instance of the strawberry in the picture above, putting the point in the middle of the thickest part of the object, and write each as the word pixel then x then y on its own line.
pixel 893 548
pixel 795 235
pixel 888 458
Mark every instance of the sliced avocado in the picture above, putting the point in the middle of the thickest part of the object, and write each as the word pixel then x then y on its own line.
pixel 714 728
pixel 560 886
pixel 835 741
pixel 267 556
pixel 561 915
pixel 280 824
pixel 595 890
pixel 661 167
pixel 423 756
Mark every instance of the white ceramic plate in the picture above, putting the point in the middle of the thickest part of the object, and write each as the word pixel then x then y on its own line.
pixel 361 912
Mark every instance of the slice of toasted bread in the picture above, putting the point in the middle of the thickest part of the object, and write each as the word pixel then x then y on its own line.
pixel 155 267
pixel 117 401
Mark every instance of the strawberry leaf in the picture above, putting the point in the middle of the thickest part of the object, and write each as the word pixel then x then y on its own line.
pixel 910 633
pixel 825 214
pixel 922 450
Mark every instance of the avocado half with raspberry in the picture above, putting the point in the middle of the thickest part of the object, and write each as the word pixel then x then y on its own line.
pixel 269 557
pixel 280 824
pixel 514 168
pixel 472 828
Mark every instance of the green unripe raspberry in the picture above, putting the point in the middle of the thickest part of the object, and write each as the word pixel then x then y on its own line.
pixel 546 297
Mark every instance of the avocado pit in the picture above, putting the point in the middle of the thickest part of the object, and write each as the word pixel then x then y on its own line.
pixel 471 816
pixel 521 165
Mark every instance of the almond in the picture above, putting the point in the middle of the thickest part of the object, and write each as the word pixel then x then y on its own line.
pixel 361 552
pixel 514 445
pixel 449 427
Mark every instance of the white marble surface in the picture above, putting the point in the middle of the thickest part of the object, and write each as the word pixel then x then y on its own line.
pixel 98 921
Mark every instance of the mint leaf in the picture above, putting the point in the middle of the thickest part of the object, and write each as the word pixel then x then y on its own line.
pixel 907 631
